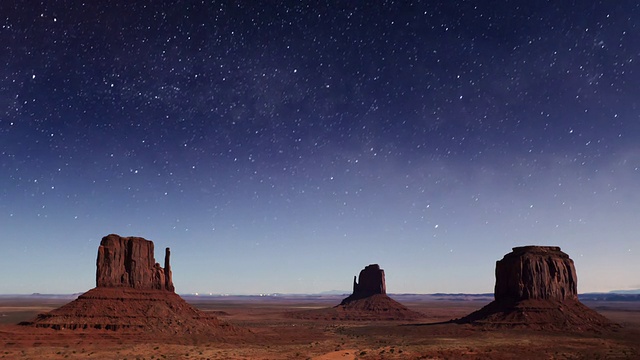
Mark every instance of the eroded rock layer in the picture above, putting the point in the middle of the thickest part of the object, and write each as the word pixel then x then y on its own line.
pixel 129 309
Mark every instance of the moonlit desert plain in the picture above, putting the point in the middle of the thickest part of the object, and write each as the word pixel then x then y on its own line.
pixel 267 332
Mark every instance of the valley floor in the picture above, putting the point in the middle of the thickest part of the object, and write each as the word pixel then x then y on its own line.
pixel 271 334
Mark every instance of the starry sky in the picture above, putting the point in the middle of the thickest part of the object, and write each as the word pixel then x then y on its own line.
pixel 283 146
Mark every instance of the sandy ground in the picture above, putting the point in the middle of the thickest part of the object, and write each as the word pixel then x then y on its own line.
pixel 273 335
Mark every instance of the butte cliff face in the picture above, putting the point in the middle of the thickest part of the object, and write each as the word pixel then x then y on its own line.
pixel 370 282
pixel 536 272
pixel 129 262
pixel 132 293
pixel 536 287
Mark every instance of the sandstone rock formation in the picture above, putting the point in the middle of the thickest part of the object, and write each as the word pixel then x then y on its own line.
pixel 369 302
pixel 536 272
pixel 132 293
pixel 536 287
pixel 129 262
pixel 370 281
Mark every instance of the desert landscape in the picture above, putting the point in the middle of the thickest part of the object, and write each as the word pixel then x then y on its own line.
pixel 272 334
pixel 134 313
pixel 342 179
pixel 472 166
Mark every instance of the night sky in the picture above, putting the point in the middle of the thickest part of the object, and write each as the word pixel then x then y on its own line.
pixel 282 147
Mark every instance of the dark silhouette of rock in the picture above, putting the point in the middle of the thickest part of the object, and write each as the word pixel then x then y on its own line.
pixel 129 262
pixel 370 281
pixel 132 293
pixel 536 287
pixel 369 302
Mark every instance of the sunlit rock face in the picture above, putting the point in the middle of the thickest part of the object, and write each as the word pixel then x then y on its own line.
pixel 536 272
pixel 129 262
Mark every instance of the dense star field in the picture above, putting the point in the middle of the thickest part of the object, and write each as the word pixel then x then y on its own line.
pixel 283 146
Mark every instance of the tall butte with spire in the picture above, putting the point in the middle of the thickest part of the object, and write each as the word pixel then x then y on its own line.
pixel 369 301
pixel 132 292
pixel 129 262
pixel 537 287
pixel 370 282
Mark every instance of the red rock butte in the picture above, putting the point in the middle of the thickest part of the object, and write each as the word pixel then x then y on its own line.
pixel 537 287
pixel 368 302
pixel 132 293
pixel 129 262
pixel 370 282
pixel 536 272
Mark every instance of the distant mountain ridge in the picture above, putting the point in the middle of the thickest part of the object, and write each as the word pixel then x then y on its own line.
pixel 614 295
pixel 627 295
pixel 636 291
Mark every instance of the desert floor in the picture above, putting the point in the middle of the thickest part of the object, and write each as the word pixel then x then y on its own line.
pixel 270 334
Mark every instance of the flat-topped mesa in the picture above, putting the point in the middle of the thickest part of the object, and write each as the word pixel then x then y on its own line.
pixel 129 262
pixel 370 282
pixel 536 288
pixel 536 272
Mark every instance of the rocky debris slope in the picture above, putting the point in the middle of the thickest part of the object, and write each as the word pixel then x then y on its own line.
pixel 131 310
pixel 536 287
pixel 369 301
pixel 132 293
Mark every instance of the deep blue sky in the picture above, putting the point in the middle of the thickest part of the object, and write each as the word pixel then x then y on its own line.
pixel 282 147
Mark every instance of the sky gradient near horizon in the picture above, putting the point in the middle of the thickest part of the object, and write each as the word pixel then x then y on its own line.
pixel 282 147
